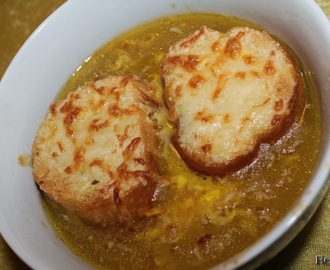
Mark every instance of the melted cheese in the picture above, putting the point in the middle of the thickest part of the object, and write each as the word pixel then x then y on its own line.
pixel 227 91
pixel 94 148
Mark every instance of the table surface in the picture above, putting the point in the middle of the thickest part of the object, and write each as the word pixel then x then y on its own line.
pixel 19 18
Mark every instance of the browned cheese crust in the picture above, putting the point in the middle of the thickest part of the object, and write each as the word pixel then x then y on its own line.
pixel 93 153
pixel 227 93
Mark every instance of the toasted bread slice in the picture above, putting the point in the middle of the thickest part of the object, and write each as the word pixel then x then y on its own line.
pixel 226 93
pixel 93 152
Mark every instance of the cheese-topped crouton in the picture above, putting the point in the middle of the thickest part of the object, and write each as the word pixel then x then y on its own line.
pixel 93 152
pixel 226 93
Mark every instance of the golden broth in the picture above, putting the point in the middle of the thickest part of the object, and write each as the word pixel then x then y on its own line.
pixel 196 221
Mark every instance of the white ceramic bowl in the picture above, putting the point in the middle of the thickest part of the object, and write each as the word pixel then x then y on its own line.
pixel 73 33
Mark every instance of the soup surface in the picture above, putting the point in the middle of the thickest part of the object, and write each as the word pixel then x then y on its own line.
pixel 196 221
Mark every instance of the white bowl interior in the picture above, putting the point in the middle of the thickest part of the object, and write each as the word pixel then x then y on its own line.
pixel 72 34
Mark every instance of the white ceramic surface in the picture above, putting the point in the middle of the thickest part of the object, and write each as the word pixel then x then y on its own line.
pixel 71 35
